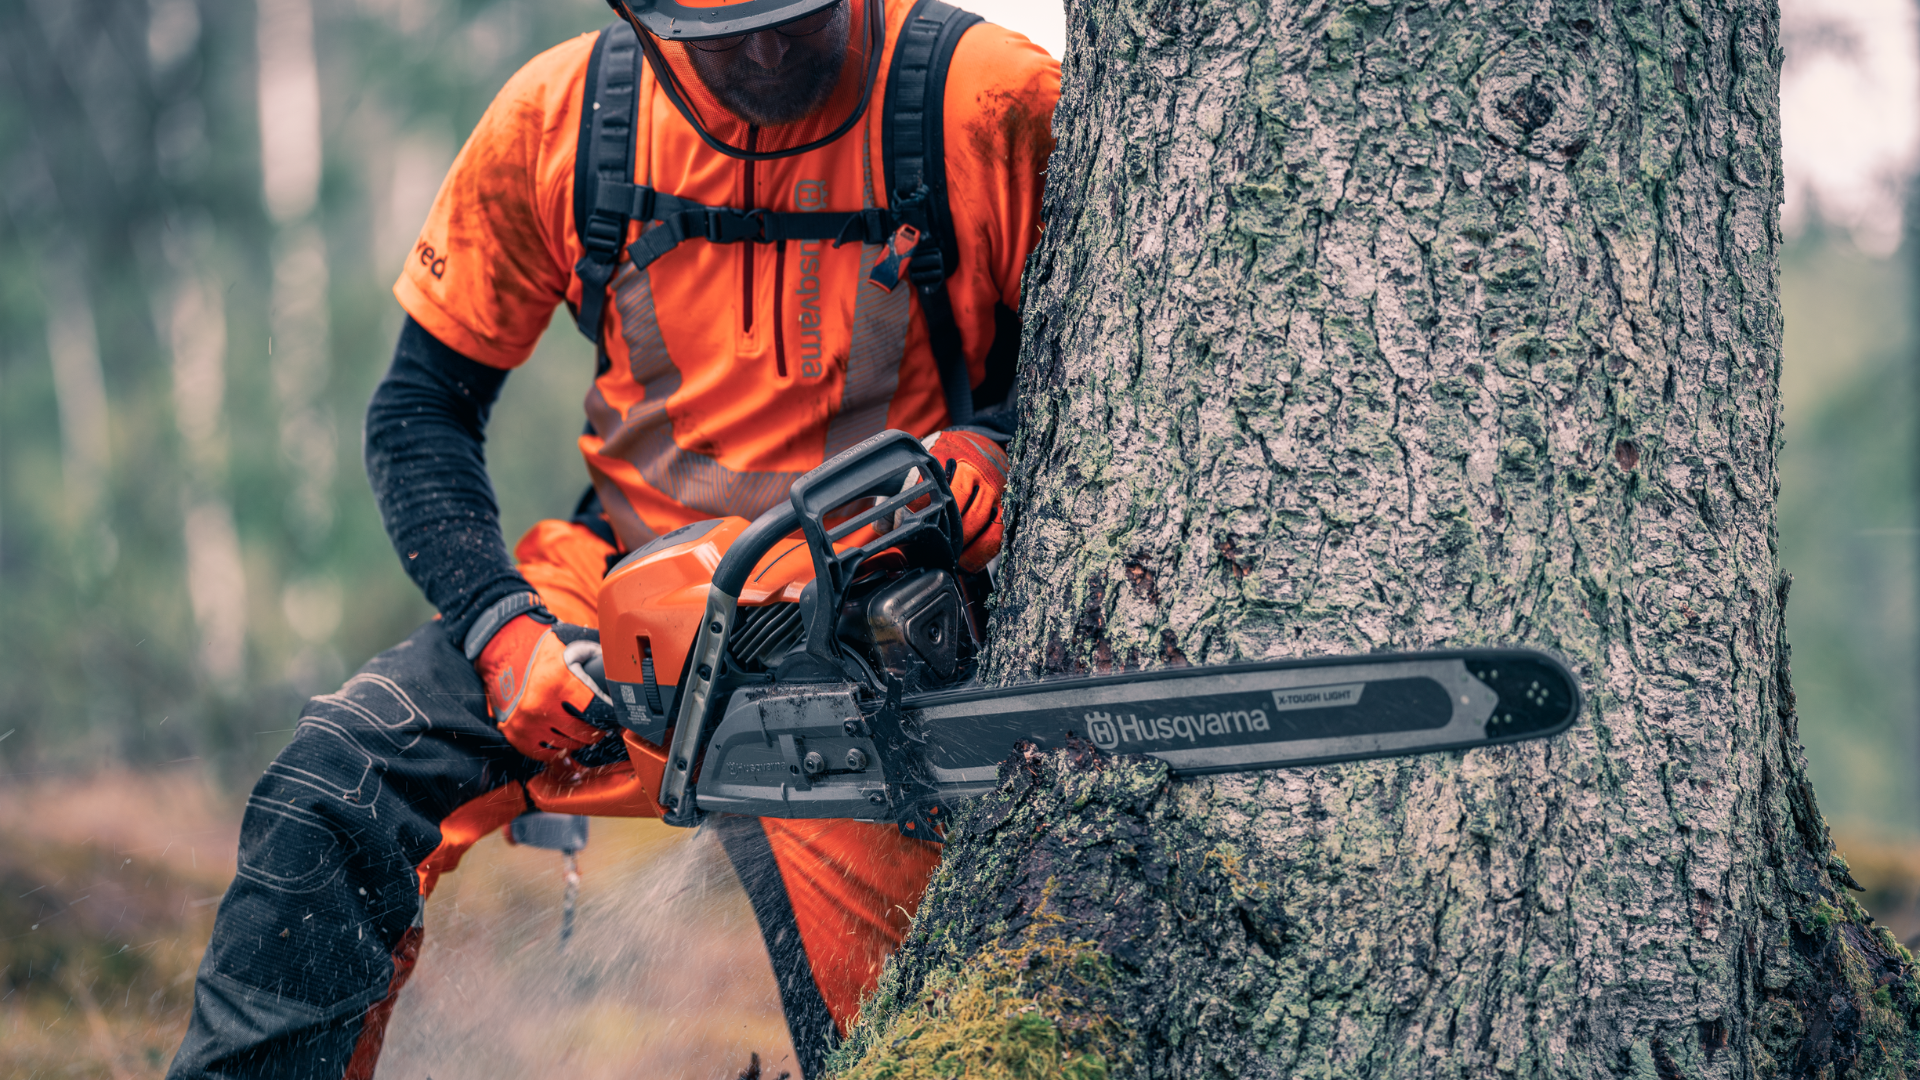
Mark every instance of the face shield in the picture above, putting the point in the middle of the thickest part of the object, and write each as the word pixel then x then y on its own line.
pixel 722 25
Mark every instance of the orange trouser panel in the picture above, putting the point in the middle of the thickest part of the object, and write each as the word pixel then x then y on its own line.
pixel 564 563
pixel 854 886
pixel 373 1030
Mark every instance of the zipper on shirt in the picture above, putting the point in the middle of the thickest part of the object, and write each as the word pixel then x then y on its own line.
pixel 746 249
pixel 779 293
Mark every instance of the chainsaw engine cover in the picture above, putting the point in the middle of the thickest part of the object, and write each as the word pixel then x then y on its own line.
pixel 653 602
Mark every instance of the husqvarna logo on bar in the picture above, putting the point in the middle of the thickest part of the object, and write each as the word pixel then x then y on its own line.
pixel 1109 730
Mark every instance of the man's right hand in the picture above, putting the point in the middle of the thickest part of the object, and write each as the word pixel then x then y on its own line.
pixel 539 704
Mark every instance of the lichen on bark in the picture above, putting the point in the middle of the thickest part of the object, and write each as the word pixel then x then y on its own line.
pixel 1394 325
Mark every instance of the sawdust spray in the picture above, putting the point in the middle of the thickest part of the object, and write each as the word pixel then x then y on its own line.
pixel 665 975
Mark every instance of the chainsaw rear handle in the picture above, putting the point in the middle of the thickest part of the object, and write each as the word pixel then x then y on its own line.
pixel 876 467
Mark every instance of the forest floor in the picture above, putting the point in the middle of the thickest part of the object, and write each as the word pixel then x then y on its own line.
pixel 108 886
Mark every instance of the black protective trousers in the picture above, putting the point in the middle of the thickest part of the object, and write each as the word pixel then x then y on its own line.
pixel 321 924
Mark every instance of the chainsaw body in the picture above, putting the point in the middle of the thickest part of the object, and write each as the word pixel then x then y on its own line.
pixel 760 650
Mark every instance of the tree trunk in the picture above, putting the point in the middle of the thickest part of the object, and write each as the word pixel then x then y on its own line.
pixel 1398 325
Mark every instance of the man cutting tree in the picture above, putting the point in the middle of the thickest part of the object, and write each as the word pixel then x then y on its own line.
pixel 787 225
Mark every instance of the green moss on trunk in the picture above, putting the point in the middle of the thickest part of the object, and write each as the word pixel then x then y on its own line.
pixel 1025 1009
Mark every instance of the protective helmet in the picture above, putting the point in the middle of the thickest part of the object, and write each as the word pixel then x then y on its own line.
pixel 670 21
pixel 667 20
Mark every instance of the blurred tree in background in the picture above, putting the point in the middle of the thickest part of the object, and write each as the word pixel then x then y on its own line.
pixel 1850 119
pixel 202 206
pixel 1847 528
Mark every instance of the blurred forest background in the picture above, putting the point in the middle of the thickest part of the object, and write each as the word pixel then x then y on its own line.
pixel 203 204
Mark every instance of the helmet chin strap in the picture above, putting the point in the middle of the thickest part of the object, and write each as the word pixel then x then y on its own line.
pixel 663 73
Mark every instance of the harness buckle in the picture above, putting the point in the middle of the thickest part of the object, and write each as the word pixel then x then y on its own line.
pixel 725 226
pixel 603 236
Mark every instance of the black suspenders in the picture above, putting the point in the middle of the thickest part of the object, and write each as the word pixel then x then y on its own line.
pixel 604 156
pixel 913 144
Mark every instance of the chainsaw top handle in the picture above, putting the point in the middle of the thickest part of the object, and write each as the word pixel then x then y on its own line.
pixel 877 468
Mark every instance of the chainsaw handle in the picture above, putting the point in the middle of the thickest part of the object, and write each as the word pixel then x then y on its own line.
pixel 751 546
pixel 876 467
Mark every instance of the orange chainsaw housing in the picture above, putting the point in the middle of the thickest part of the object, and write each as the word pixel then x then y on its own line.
pixel 652 603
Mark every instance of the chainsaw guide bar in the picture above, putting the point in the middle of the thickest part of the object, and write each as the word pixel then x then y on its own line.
pixel 823 753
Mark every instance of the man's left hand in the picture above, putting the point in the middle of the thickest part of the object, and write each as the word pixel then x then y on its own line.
pixel 976 469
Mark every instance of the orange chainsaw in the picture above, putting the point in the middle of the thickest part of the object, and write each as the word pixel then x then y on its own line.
pixel 818 662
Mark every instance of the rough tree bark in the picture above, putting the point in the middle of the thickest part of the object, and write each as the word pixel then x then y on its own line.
pixel 1389 325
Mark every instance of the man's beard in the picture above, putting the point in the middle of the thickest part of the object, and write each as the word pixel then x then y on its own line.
pixel 797 92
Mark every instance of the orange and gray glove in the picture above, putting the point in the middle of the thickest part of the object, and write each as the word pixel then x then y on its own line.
pixel 976 470
pixel 538 690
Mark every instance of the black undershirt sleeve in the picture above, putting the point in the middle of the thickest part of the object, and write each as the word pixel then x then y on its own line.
pixel 426 429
